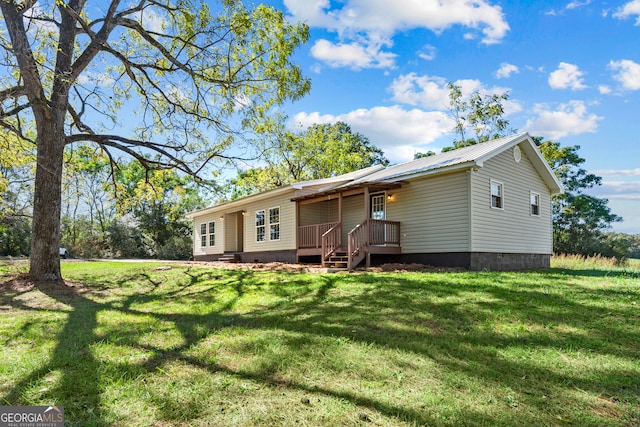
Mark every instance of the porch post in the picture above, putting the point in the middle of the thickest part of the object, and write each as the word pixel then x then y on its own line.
pixel 367 201
pixel 297 208
pixel 340 216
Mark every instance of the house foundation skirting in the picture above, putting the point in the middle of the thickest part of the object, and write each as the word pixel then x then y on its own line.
pixel 471 260
pixel 288 256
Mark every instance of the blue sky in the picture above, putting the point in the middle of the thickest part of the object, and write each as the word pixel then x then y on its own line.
pixel 572 70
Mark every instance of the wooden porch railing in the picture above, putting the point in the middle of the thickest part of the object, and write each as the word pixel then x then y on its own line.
pixel 331 241
pixel 371 232
pixel 382 232
pixel 310 236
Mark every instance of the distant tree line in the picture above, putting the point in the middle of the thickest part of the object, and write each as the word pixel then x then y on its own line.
pixel 126 212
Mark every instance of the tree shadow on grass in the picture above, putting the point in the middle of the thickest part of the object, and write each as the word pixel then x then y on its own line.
pixel 457 337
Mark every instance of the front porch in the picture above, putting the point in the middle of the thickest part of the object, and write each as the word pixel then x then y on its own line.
pixel 372 236
pixel 345 226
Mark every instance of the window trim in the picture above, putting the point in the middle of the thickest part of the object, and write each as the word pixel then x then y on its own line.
pixel 273 224
pixel 531 205
pixel 212 234
pixel 203 234
pixel 263 226
pixel 501 186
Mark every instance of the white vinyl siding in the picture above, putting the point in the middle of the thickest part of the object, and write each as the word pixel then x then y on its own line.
pixel 203 243
pixel 353 213
pixel 319 213
pixel 511 229
pixel 287 223
pixel 433 212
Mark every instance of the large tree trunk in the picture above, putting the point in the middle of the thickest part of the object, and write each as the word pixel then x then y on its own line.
pixel 45 230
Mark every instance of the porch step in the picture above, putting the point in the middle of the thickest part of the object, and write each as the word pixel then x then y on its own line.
pixel 230 258
pixel 339 260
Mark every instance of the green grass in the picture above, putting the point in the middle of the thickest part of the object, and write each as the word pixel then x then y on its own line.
pixel 197 346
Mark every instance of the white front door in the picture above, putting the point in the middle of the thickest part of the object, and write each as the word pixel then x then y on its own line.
pixel 377 206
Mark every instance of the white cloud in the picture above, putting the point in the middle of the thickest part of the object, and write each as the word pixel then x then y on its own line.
pixel 425 91
pixel 577 4
pixel 352 55
pixel 432 92
pixel 618 172
pixel 619 189
pixel 99 79
pixel 604 89
pixel 150 19
pixel 366 21
pixel 629 9
pixel 505 70
pixel 568 119
pixel 397 131
pixel 566 76
pixel 428 52
pixel 628 73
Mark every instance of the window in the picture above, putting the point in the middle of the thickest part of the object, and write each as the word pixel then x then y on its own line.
pixel 203 235
pixel 274 224
pixel 535 204
pixel 212 233
pixel 260 227
pixel 496 195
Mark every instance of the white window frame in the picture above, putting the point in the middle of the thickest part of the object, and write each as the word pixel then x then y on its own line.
pixel 274 226
pixel 262 226
pixel 533 194
pixel 501 196
pixel 203 235
pixel 212 233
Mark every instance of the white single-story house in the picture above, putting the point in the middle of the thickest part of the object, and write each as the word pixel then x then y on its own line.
pixel 486 206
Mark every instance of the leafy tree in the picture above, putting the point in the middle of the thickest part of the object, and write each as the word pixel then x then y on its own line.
pixel 162 83
pixel 420 155
pixel 480 115
pixel 155 203
pixel 88 207
pixel 579 220
pixel 16 181
pixel 321 151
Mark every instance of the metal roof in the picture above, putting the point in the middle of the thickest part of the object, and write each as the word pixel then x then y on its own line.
pixel 471 156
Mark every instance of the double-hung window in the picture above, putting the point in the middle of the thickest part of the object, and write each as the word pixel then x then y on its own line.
pixel 497 195
pixel 212 233
pixel 274 223
pixel 535 204
pixel 261 232
pixel 203 235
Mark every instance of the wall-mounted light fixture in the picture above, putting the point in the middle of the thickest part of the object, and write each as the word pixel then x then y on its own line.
pixel 244 212
pixel 221 217
pixel 389 197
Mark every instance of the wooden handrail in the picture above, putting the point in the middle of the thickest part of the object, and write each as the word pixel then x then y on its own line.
pixel 331 241
pixel 356 244
pixel 370 232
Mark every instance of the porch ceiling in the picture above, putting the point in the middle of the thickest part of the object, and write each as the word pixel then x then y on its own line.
pixel 350 190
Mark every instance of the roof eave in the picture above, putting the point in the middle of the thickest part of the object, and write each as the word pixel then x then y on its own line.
pixel 239 202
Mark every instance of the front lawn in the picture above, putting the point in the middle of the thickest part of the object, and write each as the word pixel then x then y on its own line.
pixel 163 344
